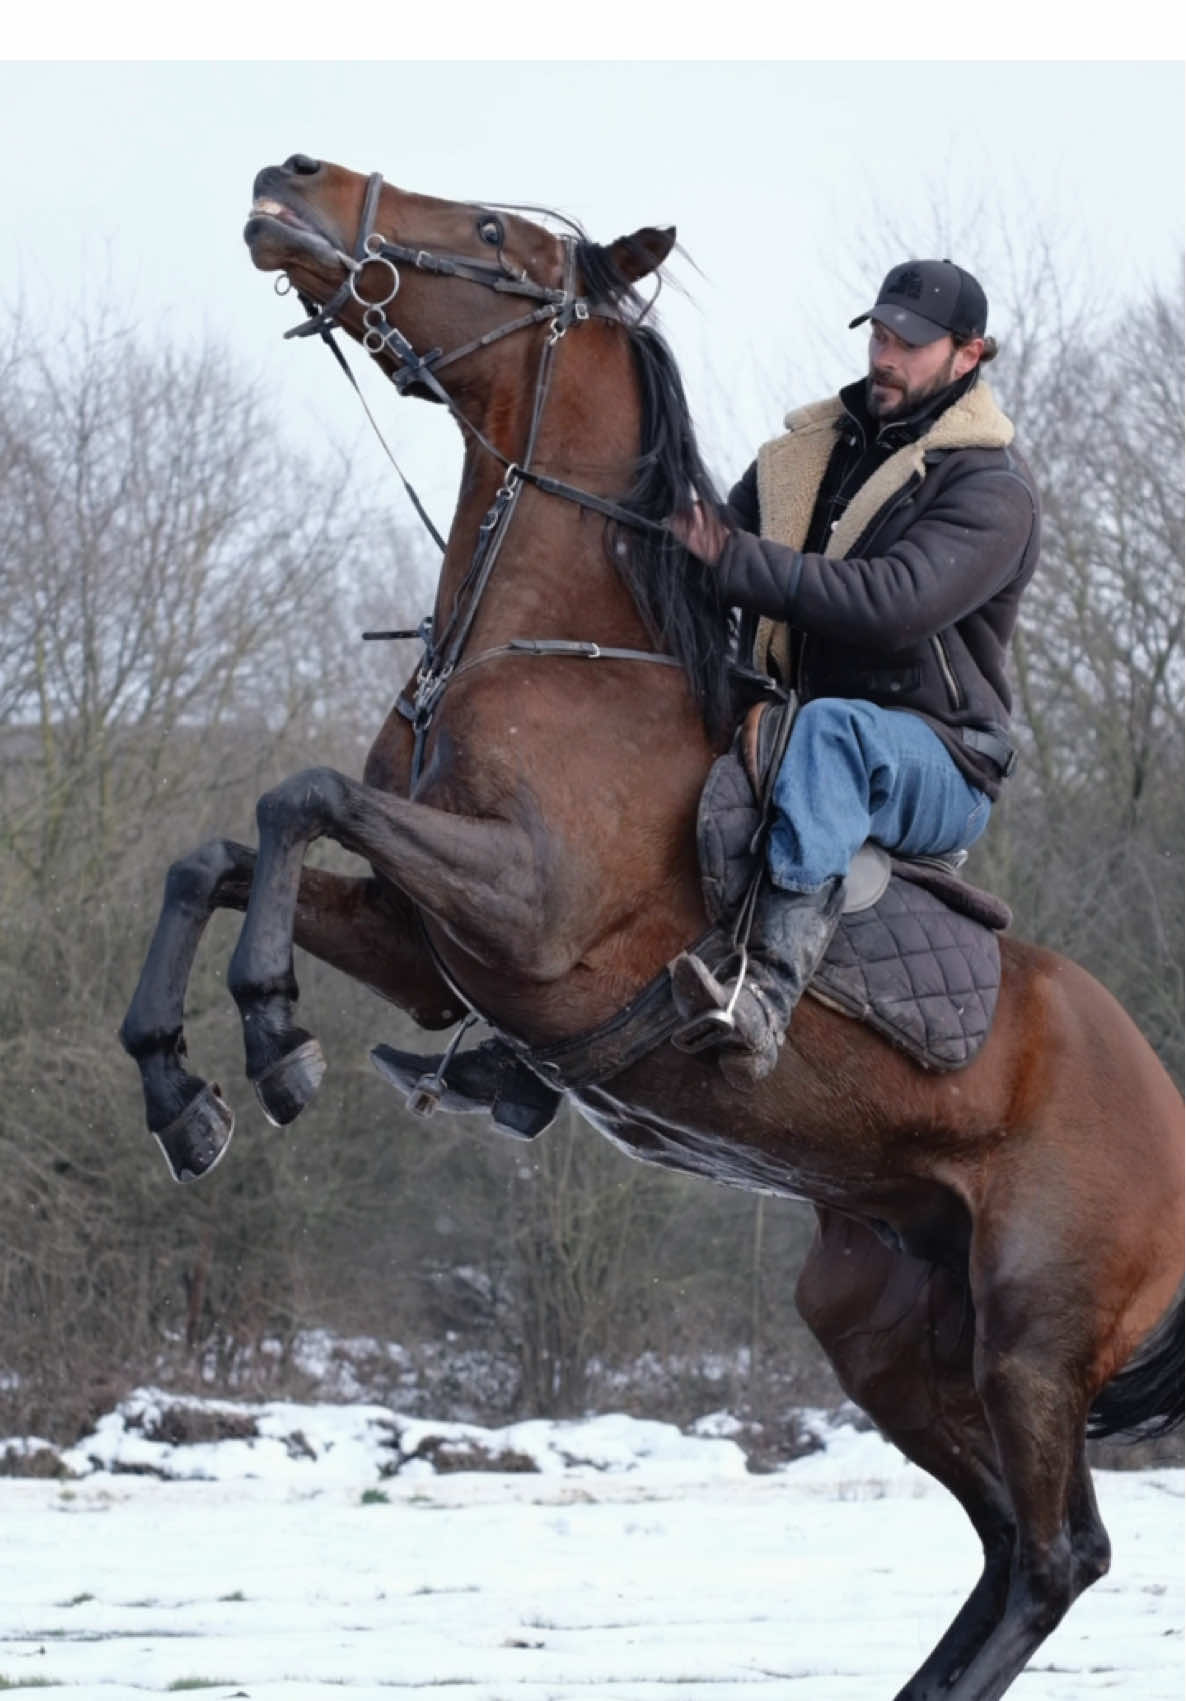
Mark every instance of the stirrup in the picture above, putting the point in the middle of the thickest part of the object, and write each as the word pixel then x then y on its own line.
pixel 425 1097
pixel 711 1027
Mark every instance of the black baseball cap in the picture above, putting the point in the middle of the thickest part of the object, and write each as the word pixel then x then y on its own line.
pixel 924 300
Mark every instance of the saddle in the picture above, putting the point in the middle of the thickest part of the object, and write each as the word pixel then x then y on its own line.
pixel 915 955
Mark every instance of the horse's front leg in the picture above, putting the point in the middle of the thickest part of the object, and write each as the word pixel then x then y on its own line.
pixel 361 926
pixel 491 883
pixel 190 1118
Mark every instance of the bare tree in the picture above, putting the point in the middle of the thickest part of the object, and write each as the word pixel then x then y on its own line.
pixel 175 586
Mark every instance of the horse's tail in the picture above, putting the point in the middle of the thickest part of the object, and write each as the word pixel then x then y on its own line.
pixel 1146 1398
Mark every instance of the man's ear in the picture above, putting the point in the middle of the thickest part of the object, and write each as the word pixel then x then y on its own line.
pixel 968 356
pixel 634 256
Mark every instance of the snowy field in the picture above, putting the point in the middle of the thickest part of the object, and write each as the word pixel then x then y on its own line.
pixel 326 1549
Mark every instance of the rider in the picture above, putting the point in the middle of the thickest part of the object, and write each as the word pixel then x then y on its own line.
pixel 885 541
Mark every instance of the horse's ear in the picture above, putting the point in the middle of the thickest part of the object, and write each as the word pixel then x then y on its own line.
pixel 634 256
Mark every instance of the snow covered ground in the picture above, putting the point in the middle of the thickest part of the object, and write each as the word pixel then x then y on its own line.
pixel 317 1549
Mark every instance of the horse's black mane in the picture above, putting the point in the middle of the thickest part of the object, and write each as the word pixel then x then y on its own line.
pixel 676 594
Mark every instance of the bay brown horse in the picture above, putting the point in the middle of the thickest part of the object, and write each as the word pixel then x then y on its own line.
pixel 998 1249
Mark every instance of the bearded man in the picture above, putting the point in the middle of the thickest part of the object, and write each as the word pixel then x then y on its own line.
pixel 880 548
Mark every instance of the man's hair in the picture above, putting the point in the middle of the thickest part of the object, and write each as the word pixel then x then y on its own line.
pixel 991 347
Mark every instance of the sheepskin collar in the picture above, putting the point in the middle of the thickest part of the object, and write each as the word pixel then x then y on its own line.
pixel 791 469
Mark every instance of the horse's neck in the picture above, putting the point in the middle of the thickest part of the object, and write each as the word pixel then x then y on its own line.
pixel 553 576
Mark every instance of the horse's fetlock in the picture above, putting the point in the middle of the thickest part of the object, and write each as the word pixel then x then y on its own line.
pixel 258 995
pixel 141 1040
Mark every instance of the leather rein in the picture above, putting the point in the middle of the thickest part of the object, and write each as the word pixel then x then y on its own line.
pixel 560 309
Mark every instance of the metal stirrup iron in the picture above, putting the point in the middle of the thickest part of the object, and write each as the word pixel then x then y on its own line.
pixel 708 1028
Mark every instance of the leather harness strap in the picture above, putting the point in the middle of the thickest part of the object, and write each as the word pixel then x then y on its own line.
pixel 992 744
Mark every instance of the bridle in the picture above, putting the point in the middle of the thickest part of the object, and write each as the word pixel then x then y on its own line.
pixel 560 309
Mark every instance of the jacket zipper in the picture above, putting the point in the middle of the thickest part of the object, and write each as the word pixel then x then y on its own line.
pixel 886 513
pixel 948 672
pixel 797 680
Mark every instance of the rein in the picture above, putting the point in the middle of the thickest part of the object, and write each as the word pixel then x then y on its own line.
pixel 561 308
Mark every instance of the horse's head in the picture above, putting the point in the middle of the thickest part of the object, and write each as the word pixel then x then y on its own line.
pixel 464 304
pixel 349 242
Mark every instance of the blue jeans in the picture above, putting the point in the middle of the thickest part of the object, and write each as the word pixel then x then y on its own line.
pixel 853 772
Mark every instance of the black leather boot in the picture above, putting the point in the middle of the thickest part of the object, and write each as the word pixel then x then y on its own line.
pixel 489 1078
pixel 791 932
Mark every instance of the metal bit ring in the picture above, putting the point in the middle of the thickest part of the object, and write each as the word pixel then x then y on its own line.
pixel 356 273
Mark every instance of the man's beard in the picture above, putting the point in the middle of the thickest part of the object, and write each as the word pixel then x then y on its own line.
pixel 911 400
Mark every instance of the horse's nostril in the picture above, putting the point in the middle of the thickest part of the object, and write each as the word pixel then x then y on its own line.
pixel 302 165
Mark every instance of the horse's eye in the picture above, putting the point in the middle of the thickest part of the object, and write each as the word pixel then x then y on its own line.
pixel 490 230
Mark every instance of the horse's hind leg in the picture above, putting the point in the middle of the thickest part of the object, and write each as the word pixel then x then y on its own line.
pixel 899 1332
pixel 1033 1361
pixel 1005 1440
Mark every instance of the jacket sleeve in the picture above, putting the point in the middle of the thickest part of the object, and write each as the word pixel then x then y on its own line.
pixel 964 548
pixel 742 512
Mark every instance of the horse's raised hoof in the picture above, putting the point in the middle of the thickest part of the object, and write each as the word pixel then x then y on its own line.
pixel 286 1086
pixel 196 1140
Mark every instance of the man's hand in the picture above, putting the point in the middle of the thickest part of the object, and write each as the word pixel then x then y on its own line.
pixel 700 532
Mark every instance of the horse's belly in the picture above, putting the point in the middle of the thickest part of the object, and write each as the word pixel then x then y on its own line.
pixel 717 1156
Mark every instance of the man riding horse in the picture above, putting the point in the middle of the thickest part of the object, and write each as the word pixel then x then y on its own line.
pixel 890 534
pixel 878 551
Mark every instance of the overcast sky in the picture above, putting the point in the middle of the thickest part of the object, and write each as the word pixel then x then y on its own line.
pixel 793 185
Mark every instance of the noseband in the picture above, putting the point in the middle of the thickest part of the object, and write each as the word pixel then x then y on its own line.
pixel 561 308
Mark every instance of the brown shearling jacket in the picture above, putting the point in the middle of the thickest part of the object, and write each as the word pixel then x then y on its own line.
pixel 912 603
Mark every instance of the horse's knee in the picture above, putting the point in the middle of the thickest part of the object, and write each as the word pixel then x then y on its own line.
pixel 194 879
pixel 301 804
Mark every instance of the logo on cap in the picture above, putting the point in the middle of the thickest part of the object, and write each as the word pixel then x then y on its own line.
pixel 907 282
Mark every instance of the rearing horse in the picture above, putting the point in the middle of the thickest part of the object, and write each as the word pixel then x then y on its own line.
pixel 994 1246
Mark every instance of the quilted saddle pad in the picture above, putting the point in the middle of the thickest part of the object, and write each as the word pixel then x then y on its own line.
pixel 921 965
pixel 920 974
